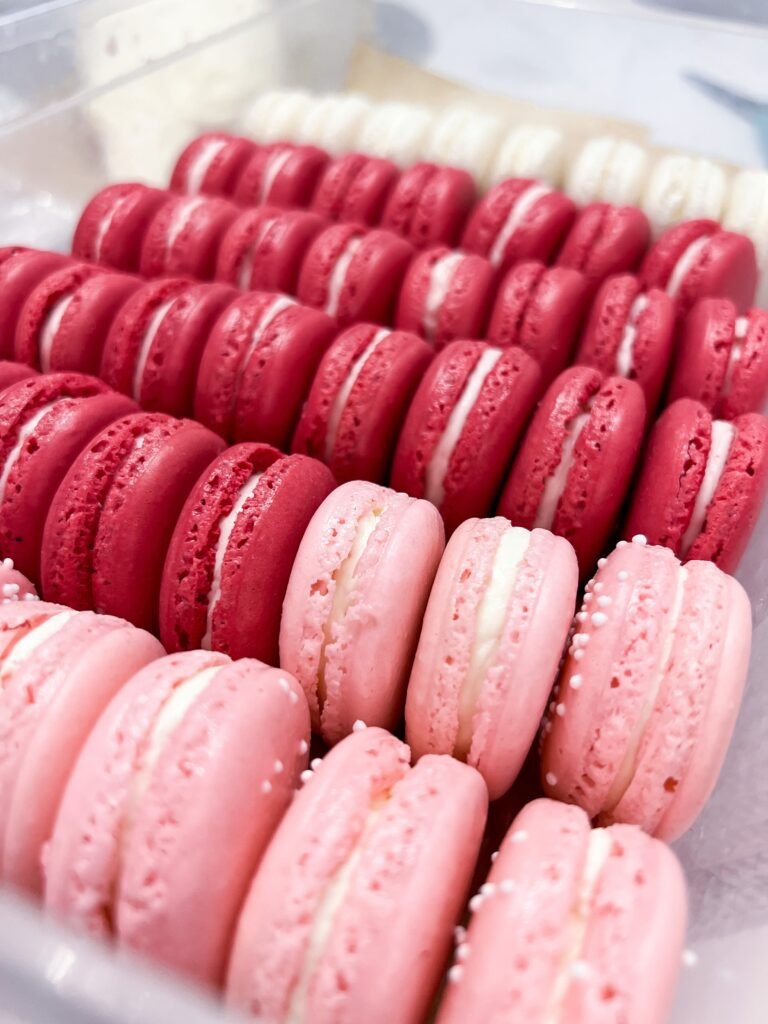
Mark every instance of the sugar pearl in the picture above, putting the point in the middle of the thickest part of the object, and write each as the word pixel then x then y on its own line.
pixel 475 903
pixel 600 563
pixel 560 710
pixel 278 767
pixel 551 779
pixel 303 746
pixel 306 775
pixel 359 726
pixel 266 786
pixel 575 682
pixel 315 763
pixel 487 889
pixel 599 619
pixel 462 951
pixel 454 974
pixel 640 539
pixel 604 601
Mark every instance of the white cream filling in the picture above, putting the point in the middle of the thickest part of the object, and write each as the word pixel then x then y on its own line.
pixel 198 168
pixel 275 163
pixel 28 644
pixel 181 217
pixel 106 223
pixel 339 274
pixel 437 467
pixel 626 350
pixel 342 395
pixel 685 264
pixel 555 484
pixel 145 348
pixel 25 432
pixel 440 279
pixel 273 310
pixel 520 210
pixel 226 526
pixel 489 625
pixel 245 269
pixel 723 434
pixel 50 329
pixel 735 354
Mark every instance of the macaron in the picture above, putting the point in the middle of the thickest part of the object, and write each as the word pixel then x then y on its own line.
pixel 572 924
pixel 350 621
pixel 156 341
pixel 463 427
pixel 358 400
pixel 45 421
pixel 20 273
pixel 184 235
pixel 446 295
pixel 702 483
pixel 649 691
pixel 540 309
pixel 697 260
pixel 65 321
pixel 355 187
pixel 333 121
pixel 14 586
pixel 429 204
pixel 212 164
pixel 171 805
pixel 60 669
pixel 233 548
pixel 683 187
pixel 464 136
pixel 519 219
pixel 497 620
pixel 576 461
pixel 281 174
pixel 605 240
pixel 530 150
pixel 353 274
pixel 395 130
pixel 111 521
pixel 11 373
pixel 363 883
pixel 264 248
pixel 257 367
pixel 746 211
pixel 722 359
pixel 278 113
pixel 112 226
pixel 609 169
pixel 631 333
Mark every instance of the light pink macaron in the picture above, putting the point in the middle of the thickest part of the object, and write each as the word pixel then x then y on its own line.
pixel 645 707
pixel 497 619
pixel 574 925
pixel 350 915
pixel 172 803
pixel 354 604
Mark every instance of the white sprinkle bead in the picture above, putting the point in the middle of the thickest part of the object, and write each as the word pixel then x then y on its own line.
pixel 487 889
pixel 580 639
pixel 278 767
pixel 560 710
pixel 578 654
pixel 359 726
pixel 8 563
pixel 640 539
pixel 575 682
pixel 582 617
pixel 551 779
pixel 306 775
pixel 604 601
pixel 599 586
pixel 303 747
pixel 315 763
pixel 462 951
pixel 454 974
pixel 690 958
pixel 507 886
pixel 494 856
pixel 475 903
pixel 600 563
pixel 599 619
pixel 460 934
pixel 621 544
pixel 10 589
pixel 266 786
pixel 31 597
pixel 587 598
pixel 623 575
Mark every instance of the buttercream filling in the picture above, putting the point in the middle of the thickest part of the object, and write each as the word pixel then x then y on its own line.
pixel 554 485
pixel 25 432
pixel 50 329
pixel 198 168
pixel 437 467
pixel 339 274
pixel 273 310
pixel 440 277
pixel 28 644
pixel 181 218
pixel 106 223
pixel 342 395
pixel 226 526
pixel 146 346
pixel 520 210
pixel 245 267
pixel 737 350
pixel 626 350
pixel 275 163
pixel 723 434
pixel 685 264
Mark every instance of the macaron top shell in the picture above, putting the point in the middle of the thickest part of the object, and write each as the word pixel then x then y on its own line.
pixel 355 187
pixel 184 235
pixel 605 240
pixel 429 204
pixel 20 272
pixel 212 164
pixel 282 174
pixel 112 226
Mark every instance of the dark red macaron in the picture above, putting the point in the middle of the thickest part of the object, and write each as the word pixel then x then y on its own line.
pixel 576 462
pixel 281 174
pixel 11 373
pixel 429 204
pixel 355 188
pixel 258 366
pixel 65 320
pixel 184 235
pixel 446 295
pixel 359 399
pixel 112 226
pixel 697 259
pixel 110 524
pixel 45 422
pixel 156 342
pixel 264 248
pixel 540 309
pixel 702 483
pixel 20 273
pixel 212 164
pixel 233 548
pixel 463 427
pixel 630 333
pixel 354 274
pixel 519 219
pixel 606 240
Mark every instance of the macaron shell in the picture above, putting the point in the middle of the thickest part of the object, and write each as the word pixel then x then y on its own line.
pixel 194 246
pixel 223 169
pixel 606 240
pixel 20 273
pixel 39 303
pixel 727 268
pixel 355 188
pixel 12 373
pixel 429 204
pixel 294 183
pixel 273 241
pixel 112 226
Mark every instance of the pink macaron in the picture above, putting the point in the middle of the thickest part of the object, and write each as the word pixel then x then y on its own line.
pixel 702 483
pixel 350 915
pixel 21 271
pixel 577 459
pixel 171 805
pixel 497 619
pixel 281 174
pixel 112 226
pixel 212 164
pixel 184 235
pixel 446 295
pixel 572 924
pixel 355 599
pixel 358 401
pixel 649 692
pixel 606 240
pixel 463 427
pixel 355 187
pixel 429 204
pixel 264 248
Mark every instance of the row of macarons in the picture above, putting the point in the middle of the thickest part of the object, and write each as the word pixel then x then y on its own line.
pixel 143 793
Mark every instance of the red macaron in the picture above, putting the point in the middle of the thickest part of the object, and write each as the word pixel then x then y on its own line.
pixel 429 204
pixel 354 274
pixel 605 240
pixel 264 248
pixel 111 521
pixel 212 163
pixel 519 219
pixel 184 235
pixel 702 483
pixel 258 366
pixel 21 271
pixel 359 397
pixel 355 187
pixel 11 373
pixel 463 427
pixel 540 309
pixel 576 462
pixel 630 332
pixel 112 226
pixel 233 548
pixel 45 422
pixel 281 174
pixel 446 295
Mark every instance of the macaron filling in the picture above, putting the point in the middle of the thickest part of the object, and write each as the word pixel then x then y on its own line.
pixel 181 217
pixel 440 278
pixel 107 221
pixel 153 326
pixel 686 264
pixel 555 484
pixel 32 640
pixel 26 430
pixel 275 163
pixel 245 267
pixel 342 395
pixel 734 355
pixel 437 467
pixel 50 329
pixel 519 211
pixel 626 349
pixel 339 273
pixel 200 164
pixel 723 434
